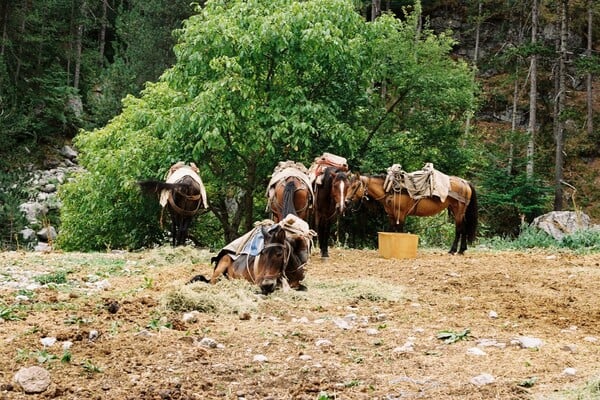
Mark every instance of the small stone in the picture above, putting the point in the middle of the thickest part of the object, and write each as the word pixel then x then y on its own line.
pixel 48 341
pixel 259 358
pixel 190 317
pixel 93 335
pixel 476 351
pixel 483 379
pixel 208 342
pixel 570 371
pixel 323 343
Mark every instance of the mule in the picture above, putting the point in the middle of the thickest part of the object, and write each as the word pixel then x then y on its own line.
pixel 330 190
pixel 270 256
pixel 289 191
pixel 461 202
pixel 183 194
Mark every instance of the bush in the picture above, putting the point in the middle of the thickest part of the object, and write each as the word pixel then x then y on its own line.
pixel 12 220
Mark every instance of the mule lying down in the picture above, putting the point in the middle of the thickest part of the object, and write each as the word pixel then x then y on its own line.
pixel 272 255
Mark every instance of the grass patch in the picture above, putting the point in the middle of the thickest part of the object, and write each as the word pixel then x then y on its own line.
pixel 226 297
pixel 239 296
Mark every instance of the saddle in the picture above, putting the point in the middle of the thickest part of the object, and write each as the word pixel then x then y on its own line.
pixel 426 182
pixel 252 242
pixel 284 170
pixel 315 171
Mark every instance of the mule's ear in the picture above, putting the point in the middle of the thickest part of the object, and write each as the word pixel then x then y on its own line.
pixel 277 232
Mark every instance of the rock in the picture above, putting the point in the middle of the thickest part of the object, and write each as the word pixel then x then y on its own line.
pixel 68 152
pixel 47 234
pixel 208 342
pixel 48 341
pixel 526 342
pixel 482 379
pixel 190 317
pixel 259 358
pixel 323 343
pixel 558 224
pixel 33 379
pixel 476 351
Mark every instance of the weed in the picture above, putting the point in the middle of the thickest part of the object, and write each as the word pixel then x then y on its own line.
pixel 90 368
pixel 450 337
pixel 57 277
pixel 159 322
pixel 9 313
pixel 43 356
pixel 66 357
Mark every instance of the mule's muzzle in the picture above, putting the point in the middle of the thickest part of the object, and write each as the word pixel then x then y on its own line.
pixel 268 285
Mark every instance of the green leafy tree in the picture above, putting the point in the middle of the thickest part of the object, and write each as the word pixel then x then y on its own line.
pixel 257 82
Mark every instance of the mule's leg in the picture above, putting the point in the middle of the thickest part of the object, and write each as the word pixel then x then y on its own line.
pixel 457 234
pixel 323 230
pixel 463 240
pixel 222 265
pixel 174 230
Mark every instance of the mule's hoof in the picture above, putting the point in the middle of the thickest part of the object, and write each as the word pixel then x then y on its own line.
pixel 301 288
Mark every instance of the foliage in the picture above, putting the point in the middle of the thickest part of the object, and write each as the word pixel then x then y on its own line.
pixel 583 241
pixel 507 198
pixel 259 82
pixel 12 220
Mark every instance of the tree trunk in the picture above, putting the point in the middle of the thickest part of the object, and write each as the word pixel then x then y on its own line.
pixel 561 96
pixel 375 9
pixel 477 34
pixel 531 129
pixel 589 83
pixel 4 18
pixel 513 125
pixel 102 37
pixel 78 48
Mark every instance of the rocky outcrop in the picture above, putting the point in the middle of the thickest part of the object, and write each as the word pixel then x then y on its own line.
pixel 43 200
pixel 559 224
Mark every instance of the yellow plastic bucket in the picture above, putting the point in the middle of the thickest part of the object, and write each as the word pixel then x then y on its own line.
pixel 398 245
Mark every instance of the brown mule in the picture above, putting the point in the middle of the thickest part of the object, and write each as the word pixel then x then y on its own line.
pixel 461 202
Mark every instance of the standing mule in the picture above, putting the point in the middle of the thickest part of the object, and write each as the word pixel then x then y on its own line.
pixel 461 201
pixel 330 190
pixel 183 194
pixel 289 191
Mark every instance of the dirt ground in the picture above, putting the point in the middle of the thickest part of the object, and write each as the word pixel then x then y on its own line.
pixel 366 328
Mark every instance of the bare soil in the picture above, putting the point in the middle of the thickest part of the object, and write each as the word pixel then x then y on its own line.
pixel 366 328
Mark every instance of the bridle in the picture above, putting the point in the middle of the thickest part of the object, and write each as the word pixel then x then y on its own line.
pixel 360 185
pixel 287 251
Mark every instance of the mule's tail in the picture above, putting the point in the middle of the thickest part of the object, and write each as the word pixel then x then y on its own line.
pixel 471 216
pixel 151 186
pixel 199 278
pixel 288 206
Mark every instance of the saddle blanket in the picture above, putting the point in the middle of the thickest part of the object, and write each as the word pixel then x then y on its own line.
pixel 419 184
pixel 252 242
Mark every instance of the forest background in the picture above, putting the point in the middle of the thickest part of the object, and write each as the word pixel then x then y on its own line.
pixel 67 65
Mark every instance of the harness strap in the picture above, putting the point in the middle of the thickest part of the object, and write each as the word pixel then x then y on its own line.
pixel 180 210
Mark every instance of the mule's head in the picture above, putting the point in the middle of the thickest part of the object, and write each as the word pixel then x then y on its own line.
pixel 356 190
pixel 273 258
pixel 300 247
pixel 340 187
